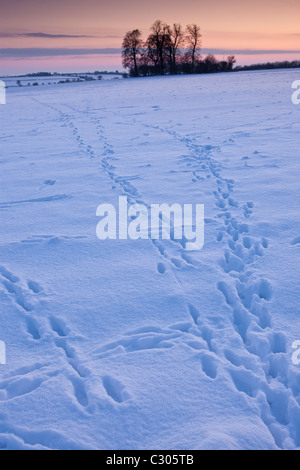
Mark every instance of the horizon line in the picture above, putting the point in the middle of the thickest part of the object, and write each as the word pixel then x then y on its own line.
pixel 35 52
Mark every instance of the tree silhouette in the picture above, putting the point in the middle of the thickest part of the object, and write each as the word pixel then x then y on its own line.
pixel 157 44
pixel 176 40
pixel 231 61
pixel 193 38
pixel 171 50
pixel 132 45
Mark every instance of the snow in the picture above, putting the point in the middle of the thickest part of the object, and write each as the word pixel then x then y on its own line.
pixel 140 344
pixel 55 79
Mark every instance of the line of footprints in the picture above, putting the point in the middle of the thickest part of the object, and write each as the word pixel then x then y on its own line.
pixel 28 297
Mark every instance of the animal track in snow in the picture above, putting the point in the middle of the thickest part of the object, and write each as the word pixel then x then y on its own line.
pixel 59 327
pixel 245 381
pixel 34 287
pixel 33 328
pixel 194 313
pixel 209 365
pixel 152 338
pixel 26 297
pixel 161 268
pixel 24 381
pixel 247 296
pixel 295 241
pixel 115 389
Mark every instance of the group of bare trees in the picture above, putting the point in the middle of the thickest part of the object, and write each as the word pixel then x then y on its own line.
pixel 169 50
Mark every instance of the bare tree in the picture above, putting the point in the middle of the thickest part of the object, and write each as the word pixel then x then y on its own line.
pixel 231 61
pixel 151 55
pixel 157 44
pixel 132 46
pixel 193 38
pixel 176 40
pixel 170 49
pixel 211 63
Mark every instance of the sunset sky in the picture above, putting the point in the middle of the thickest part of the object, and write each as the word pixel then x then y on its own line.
pixel 77 35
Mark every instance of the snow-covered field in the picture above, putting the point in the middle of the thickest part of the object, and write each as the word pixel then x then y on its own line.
pixel 54 79
pixel 124 344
